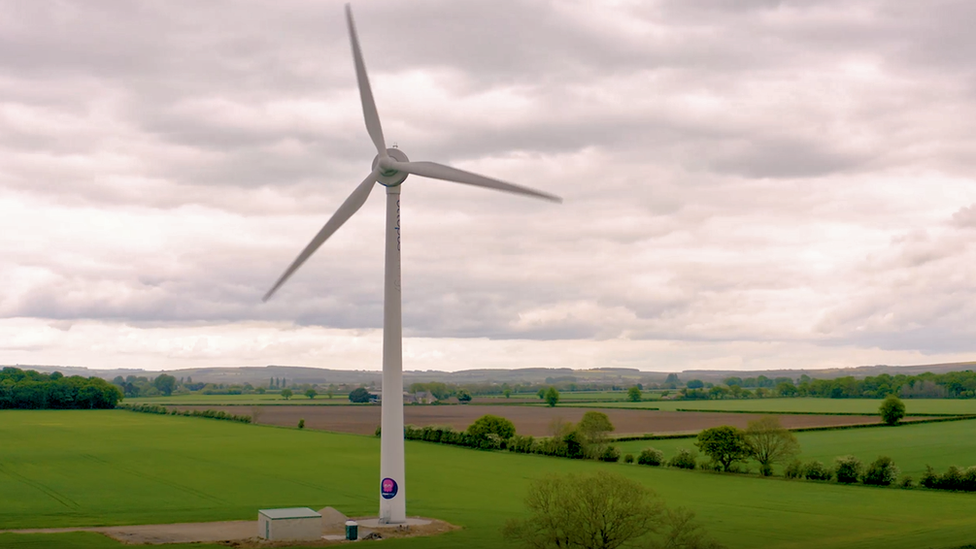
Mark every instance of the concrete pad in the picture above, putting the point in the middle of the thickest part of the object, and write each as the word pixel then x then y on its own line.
pixel 376 524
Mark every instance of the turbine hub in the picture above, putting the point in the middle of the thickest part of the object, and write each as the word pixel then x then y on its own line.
pixel 390 177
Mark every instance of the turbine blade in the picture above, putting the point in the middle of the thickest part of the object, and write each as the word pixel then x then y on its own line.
pixel 365 92
pixel 345 211
pixel 447 173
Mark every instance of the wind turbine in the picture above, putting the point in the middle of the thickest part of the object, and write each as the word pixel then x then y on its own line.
pixel 390 168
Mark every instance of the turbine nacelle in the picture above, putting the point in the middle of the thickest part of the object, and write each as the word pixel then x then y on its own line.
pixel 389 175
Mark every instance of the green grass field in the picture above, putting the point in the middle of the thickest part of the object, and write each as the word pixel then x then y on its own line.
pixel 805 405
pixel 74 468
pixel 911 446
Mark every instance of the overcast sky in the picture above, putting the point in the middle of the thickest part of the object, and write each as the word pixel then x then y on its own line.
pixel 748 184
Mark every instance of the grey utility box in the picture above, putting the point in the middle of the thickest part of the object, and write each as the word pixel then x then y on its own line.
pixel 295 523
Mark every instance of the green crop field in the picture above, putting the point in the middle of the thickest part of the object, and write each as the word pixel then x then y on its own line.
pixel 74 468
pixel 911 446
pixel 803 405
pixel 239 400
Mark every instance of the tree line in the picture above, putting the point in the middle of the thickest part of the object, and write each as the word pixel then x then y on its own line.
pixel 927 385
pixel 32 390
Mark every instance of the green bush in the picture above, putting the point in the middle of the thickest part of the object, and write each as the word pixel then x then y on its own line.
pixel 650 456
pixel 521 444
pixel 489 424
pixel 575 445
pixel 951 479
pixel 629 458
pixel 301 423
pixel 551 446
pixel 816 470
pixel 881 472
pixel 794 469
pixel 848 469
pixel 968 483
pixel 684 459
pixel 490 442
pixel 930 479
pixel 610 454
pixel 906 481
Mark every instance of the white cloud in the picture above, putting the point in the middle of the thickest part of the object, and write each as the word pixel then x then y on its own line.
pixel 749 184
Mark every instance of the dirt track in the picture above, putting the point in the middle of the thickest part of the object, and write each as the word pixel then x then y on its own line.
pixel 239 533
pixel 529 420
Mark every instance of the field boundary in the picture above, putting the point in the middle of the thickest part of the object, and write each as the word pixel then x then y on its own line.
pixel 650 436
pixel 773 412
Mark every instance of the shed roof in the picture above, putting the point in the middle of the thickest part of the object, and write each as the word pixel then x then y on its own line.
pixel 289 513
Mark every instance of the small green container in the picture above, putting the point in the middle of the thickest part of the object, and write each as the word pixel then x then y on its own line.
pixel 352 530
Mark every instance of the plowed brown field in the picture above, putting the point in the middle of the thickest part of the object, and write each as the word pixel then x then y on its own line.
pixel 528 420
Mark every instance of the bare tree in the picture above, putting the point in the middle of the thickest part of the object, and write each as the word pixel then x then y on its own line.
pixel 770 443
pixel 256 412
pixel 680 531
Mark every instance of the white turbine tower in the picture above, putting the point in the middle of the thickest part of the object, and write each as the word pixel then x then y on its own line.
pixel 390 168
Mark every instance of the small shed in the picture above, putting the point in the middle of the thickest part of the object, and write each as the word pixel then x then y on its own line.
pixel 294 523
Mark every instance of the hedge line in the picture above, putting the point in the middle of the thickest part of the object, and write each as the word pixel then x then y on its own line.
pixel 777 413
pixel 569 446
pixel 161 410
pixel 805 429
pixel 870 425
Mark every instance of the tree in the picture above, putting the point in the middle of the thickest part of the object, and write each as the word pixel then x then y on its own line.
pixel 311 393
pixel 770 443
pixel 552 397
pixel 165 383
pixel 507 393
pixel 601 511
pixel 594 428
pixel 359 395
pixel 881 472
pixel 785 389
pixel 634 394
pixel 286 393
pixel 463 396
pixel 542 394
pixel 696 384
pixel 726 445
pixel 672 381
pixel 492 425
pixel 848 469
pixel 892 410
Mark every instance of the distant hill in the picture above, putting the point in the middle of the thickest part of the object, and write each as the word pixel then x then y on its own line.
pixel 623 376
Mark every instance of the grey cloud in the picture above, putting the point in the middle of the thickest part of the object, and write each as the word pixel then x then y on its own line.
pixel 965 217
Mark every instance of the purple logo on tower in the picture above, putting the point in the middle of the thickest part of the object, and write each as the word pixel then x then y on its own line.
pixel 388 488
